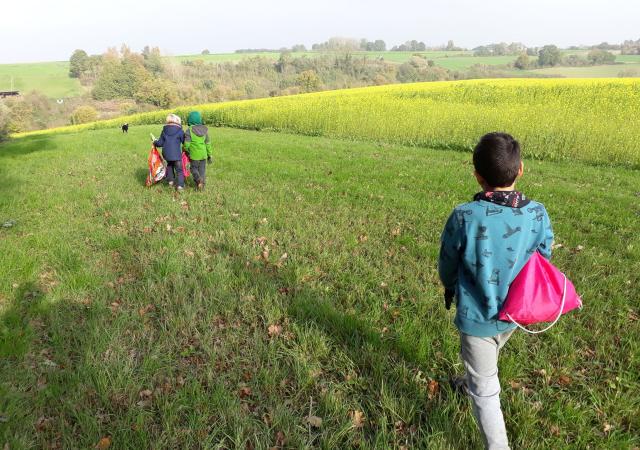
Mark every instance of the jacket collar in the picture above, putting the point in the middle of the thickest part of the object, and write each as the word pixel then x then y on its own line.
pixel 512 199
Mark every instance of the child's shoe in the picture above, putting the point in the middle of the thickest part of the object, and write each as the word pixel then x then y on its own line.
pixel 170 183
pixel 180 189
pixel 459 385
pixel 201 186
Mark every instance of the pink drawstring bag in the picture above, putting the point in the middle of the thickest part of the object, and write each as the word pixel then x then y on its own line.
pixel 539 293
pixel 186 163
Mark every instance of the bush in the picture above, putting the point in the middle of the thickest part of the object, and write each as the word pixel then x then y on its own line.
pixel 308 81
pixel 629 73
pixel 84 114
pixel 20 115
pixel 5 117
pixel 120 79
pixel 522 62
pixel 597 56
pixel 157 92
pixel 549 55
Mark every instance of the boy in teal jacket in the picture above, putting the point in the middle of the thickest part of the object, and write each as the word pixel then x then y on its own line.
pixel 484 245
pixel 198 146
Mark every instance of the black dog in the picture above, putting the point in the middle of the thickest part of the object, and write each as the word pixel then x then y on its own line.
pixel 125 128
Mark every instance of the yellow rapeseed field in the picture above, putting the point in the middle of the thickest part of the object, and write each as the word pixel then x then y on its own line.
pixel 593 120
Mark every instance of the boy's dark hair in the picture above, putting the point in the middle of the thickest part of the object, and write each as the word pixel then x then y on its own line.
pixel 496 158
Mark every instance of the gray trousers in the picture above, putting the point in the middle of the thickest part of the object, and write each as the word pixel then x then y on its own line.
pixel 199 169
pixel 480 358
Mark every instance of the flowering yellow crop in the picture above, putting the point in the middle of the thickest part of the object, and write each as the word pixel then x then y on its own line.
pixel 595 120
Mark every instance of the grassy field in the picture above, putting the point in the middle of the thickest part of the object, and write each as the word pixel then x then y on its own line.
pixel 549 116
pixel 49 78
pixel 608 71
pixel 465 62
pixel 301 284
pixel 628 58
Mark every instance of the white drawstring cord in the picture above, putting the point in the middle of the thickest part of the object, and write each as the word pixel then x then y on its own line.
pixel 564 294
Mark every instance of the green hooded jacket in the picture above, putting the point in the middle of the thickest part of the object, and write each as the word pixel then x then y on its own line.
pixel 196 141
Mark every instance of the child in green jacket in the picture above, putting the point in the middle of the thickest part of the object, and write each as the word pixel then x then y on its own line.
pixel 198 147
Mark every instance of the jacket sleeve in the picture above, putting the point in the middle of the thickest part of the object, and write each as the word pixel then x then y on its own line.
pixel 187 140
pixel 451 245
pixel 160 141
pixel 547 241
pixel 207 144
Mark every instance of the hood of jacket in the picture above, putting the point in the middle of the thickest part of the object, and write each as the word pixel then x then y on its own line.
pixel 199 130
pixel 172 129
pixel 194 118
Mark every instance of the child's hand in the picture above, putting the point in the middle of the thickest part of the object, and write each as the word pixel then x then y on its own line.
pixel 449 294
pixel 209 160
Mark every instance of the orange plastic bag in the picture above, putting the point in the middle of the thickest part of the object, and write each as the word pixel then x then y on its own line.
pixel 157 169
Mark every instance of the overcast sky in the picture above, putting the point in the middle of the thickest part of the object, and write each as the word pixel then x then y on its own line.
pixel 43 30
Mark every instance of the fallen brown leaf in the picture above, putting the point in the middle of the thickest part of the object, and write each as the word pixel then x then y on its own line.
pixel 146 309
pixel 103 443
pixel 433 388
pixel 145 393
pixel 564 380
pixel 281 439
pixel 43 423
pixel 357 419
pixel 314 421
pixel 274 330
pixel 244 392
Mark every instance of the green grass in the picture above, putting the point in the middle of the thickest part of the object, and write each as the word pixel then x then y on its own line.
pixel 628 59
pixel 133 314
pixel 49 78
pixel 465 62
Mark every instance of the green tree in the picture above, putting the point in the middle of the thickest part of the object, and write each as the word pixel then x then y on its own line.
pixel 283 62
pixel 120 79
pixel 78 63
pixel 84 114
pixel 549 55
pixel 152 60
pixel 308 81
pixel 598 56
pixel 205 52
pixel 379 45
pixel 522 62
pixel 157 92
